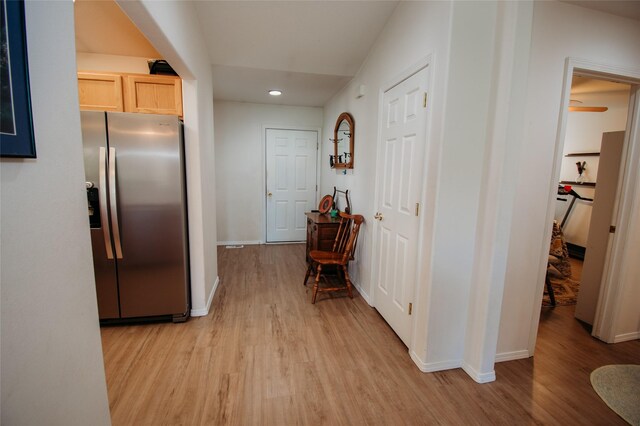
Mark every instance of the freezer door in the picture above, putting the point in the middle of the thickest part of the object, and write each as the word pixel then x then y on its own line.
pixel 94 138
pixel 149 215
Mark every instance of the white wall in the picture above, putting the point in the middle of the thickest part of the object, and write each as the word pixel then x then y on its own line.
pixel 416 30
pixel 627 321
pixel 471 109
pixel 52 366
pixel 174 30
pixel 584 134
pixel 239 168
pixel 114 63
pixel 560 31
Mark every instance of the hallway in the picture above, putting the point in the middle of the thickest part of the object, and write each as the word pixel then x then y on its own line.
pixel 265 355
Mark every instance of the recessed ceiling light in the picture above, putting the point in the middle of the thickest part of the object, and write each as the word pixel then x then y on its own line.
pixel 275 92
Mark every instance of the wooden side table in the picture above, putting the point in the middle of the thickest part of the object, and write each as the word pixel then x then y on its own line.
pixel 321 232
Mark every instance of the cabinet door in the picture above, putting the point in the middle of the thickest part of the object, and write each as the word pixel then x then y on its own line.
pixel 153 94
pixel 100 92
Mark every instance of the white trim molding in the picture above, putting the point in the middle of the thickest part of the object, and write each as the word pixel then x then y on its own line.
pixel 204 312
pixel 512 356
pixel 626 337
pixel 430 367
pixel 240 243
pixel 479 377
pixel 364 294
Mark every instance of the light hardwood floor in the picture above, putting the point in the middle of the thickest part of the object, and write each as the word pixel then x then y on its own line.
pixel 266 355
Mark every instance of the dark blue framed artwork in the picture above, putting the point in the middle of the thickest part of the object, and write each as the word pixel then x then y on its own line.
pixel 16 123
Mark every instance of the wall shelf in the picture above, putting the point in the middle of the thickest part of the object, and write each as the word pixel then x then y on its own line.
pixel 568 182
pixel 583 154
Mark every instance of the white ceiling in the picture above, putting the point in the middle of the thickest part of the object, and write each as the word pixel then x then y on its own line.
pixel 251 85
pixel 309 49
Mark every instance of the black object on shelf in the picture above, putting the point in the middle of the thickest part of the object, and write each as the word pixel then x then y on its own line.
pixel 571 182
pixel 161 67
pixel 583 154
pixel 336 191
pixel 576 251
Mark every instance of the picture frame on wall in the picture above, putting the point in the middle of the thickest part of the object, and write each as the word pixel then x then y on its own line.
pixel 16 121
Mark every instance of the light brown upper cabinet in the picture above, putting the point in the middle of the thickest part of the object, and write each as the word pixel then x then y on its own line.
pixel 141 93
pixel 100 92
pixel 153 94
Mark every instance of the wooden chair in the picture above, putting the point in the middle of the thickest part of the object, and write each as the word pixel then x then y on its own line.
pixel 550 266
pixel 558 262
pixel 343 249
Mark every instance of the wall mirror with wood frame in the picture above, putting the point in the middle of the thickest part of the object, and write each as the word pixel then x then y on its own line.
pixel 343 137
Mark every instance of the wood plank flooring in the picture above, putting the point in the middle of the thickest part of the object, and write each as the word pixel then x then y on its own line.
pixel 266 356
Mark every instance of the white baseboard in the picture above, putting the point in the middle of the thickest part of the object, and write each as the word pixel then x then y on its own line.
pixel 477 376
pixel 430 367
pixel 364 294
pixel 511 356
pixel 205 311
pixel 275 243
pixel 239 243
pixel 626 337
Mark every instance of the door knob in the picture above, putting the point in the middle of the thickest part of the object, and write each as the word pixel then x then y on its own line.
pixel 378 216
pixel 269 194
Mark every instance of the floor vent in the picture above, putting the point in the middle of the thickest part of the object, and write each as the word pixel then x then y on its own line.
pixel 234 247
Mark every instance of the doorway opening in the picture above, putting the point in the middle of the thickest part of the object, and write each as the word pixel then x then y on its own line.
pixel 593 189
pixel 597 108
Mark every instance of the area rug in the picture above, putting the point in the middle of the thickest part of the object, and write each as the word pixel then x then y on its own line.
pixel 619 388
pixel 564 289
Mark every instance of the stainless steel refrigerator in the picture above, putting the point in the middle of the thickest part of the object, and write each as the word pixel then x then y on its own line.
pixel 134 166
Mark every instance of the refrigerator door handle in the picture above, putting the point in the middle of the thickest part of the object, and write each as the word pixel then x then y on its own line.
pixel 114 202
pixel 102 198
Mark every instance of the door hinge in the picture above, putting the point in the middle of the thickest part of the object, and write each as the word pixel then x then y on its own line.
pixel 417 209
pixel 317 146
pixel 410 308
pixel 424 104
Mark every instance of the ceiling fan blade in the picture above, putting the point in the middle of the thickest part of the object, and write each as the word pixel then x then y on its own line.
pixel 587 109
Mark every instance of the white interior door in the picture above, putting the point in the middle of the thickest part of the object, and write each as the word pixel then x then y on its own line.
pixel 400 168
pixel 600 232
pixel 291 157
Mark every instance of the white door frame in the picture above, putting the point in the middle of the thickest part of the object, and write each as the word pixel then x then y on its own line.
pixel 421 267
pixel 609 297
pixel 263 183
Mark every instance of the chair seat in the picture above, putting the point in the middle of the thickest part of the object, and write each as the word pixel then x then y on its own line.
pixel 326 257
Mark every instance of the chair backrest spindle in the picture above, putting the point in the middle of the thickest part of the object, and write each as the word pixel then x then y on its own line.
pixel 353 230
pixel 342 235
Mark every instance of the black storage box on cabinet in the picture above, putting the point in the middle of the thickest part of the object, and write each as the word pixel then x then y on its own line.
pixel 161 67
